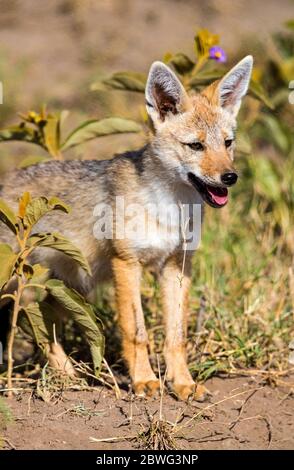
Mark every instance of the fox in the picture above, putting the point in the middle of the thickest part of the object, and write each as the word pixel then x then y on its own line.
pixel 188 160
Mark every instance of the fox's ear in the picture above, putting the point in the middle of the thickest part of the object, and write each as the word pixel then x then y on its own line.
pixel 234 85
pixel 165 95
pixel 229 91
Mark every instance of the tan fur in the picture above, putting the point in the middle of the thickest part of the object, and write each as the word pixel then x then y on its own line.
pixel 127 277
pixel 213 165
pixel 211 92
pixel 175 288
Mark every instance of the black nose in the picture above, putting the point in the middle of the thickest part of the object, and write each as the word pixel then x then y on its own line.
pixel 229 178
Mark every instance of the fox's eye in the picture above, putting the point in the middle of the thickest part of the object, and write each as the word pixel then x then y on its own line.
pixel 228 142
pixel 196 146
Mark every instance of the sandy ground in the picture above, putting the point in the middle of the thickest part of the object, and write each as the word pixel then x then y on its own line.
pixel 240 414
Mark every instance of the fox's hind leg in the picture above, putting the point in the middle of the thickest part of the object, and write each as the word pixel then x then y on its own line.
pixel 127 278
pixel 58 360
pixel 57 357
pixel 175 284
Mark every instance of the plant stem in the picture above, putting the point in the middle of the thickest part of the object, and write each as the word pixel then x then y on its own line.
pixel 11 337
pixel 198 66
pixel 37 286
pixel 56 155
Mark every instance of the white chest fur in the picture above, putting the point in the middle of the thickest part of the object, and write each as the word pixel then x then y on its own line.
pixel 165 219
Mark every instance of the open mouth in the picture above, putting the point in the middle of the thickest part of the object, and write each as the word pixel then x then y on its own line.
pixel 215 196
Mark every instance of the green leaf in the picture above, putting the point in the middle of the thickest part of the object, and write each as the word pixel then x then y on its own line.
pixel 276 133
pixel 37 320
pixel 83 314
pixel 28 271
pixel 52 135
pixel 92 129
pixel 167 57
pixel 243 144
pixel 129 81
pixel 7 262
pixel 280 97
pixel 7 216
pixel 56 204
pixel 63 116
pixel 33 160
pixel 257 91
pixel 40 206
pixel 21 132
pixel 268 182
pixel 60 243
pixel 35 210
pixel 286 69
pixel 290 24
pixel 205 78
pixel 22 204
pixel 39 273
pixel 182 63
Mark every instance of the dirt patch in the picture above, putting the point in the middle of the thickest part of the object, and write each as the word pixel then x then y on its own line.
pixel 241 414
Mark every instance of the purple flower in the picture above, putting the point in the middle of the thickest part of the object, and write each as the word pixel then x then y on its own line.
pixel 217 53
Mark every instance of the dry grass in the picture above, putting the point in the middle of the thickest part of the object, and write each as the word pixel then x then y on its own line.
pixel 158 435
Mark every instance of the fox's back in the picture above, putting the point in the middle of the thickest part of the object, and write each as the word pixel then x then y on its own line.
pixel 53 177
pixel 77 183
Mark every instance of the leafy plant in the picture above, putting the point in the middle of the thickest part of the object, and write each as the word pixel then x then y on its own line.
pixel 45 129
pixel 194 72
pixel 38 318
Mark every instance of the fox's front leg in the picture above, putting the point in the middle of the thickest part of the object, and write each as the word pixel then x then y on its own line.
pixel 127 278
pixel 175 284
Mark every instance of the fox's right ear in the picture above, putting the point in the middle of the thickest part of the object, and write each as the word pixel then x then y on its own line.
pixel 165 95
pixel 234 85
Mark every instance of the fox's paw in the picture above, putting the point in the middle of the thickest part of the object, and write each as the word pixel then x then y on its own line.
pixel 58 360
pixel 201 393
pixel 192 391
pixel 148 388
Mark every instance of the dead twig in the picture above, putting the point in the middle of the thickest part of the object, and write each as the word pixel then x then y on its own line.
pixel 241 410
pixel 4 439
pixel 199 413
pixel 269 430
pixel 112 439
pixel 115 384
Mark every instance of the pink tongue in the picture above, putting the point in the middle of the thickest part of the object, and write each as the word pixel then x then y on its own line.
pixel 219 195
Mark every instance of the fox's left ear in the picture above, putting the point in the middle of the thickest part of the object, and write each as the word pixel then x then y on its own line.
pixel 234 85
pixel 165 95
